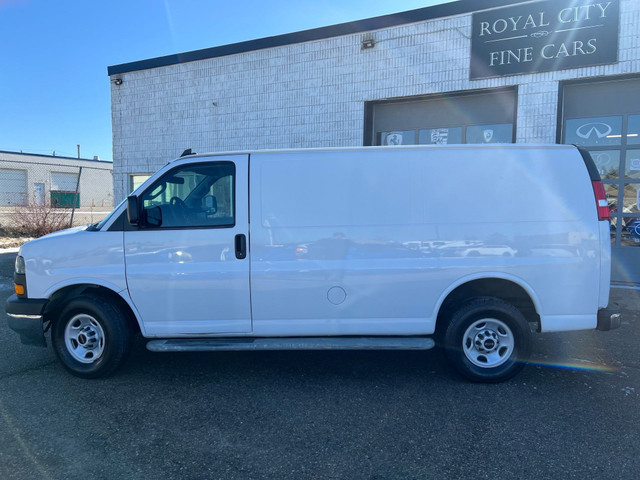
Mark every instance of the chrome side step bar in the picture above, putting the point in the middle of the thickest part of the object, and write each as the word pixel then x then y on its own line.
pixel 290 343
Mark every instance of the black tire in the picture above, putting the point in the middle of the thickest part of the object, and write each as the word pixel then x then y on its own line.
pixel 91 337
pixel 487 340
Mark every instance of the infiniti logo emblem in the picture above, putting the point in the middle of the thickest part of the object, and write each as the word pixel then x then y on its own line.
pixel 587 130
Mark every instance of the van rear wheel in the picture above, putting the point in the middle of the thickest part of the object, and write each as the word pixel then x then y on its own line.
pixel 488 340
pixel 91 337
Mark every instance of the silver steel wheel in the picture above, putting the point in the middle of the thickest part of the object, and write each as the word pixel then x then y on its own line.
pixel 488 343
pixel 84 338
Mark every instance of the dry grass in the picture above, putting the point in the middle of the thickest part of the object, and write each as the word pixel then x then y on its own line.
pixel 35 220
pixel 12 242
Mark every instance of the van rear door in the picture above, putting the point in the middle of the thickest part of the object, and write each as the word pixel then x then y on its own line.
pixel 187 264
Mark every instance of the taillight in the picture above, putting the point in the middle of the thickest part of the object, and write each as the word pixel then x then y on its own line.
pixel 601 200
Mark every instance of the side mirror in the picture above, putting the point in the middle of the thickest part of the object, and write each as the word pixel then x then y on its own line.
pixel 153 216
pixel 133 210
pixel 210 204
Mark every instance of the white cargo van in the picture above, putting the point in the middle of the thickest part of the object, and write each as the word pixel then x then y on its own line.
pixel 356 248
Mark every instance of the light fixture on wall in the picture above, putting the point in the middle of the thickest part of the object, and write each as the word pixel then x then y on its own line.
pixel 367 43
pixel 118 81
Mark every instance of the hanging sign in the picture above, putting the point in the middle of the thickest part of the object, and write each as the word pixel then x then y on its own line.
pixel 544 36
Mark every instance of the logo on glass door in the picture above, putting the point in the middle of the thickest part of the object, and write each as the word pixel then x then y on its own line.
pixel 487 135
pixel 394 138
pixel 439 136
pixel 587 130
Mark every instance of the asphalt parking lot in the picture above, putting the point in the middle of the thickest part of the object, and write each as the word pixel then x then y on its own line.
pixel 573 413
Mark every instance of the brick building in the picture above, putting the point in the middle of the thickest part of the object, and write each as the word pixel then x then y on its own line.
pixel 561 71
pixel 30 178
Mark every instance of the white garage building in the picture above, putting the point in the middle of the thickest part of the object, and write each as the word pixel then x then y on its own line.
pixel 30 178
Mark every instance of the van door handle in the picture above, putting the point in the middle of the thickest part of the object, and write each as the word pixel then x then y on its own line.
pixel 241 246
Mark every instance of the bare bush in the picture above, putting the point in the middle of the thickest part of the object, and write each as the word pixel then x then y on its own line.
pixel 35 220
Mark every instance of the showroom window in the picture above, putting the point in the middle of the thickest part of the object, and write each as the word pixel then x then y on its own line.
pixel 604 117
pixel 614 143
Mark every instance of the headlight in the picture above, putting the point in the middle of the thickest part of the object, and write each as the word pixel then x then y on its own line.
pixel 20 265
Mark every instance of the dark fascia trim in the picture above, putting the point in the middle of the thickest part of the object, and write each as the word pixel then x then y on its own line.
pixel 27 154
pixel 582 81
pixel 412 16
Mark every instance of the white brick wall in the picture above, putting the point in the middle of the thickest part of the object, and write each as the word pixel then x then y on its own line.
pixel 313 94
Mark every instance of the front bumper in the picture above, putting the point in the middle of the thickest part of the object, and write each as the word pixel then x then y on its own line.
pixel 24 316
pixel 609 318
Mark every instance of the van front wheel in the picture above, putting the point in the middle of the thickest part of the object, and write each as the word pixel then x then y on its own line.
pixel 488 340
pixel 91 337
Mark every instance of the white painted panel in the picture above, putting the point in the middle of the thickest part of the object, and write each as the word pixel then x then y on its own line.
pixel 394 229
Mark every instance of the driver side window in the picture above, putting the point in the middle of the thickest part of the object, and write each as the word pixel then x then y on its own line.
pixel 196 195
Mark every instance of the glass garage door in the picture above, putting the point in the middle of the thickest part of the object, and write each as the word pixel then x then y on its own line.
pixel 481 117
pixel 604 117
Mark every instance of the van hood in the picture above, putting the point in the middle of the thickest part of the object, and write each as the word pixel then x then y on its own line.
pixel 60 233
pixel 65 232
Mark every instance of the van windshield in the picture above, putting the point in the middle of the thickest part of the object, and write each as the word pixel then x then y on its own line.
pixel 98 226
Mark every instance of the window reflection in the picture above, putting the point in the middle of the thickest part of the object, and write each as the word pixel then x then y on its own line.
pixel 612 199
pixel 632 164
pixel 633 130
pixel 612 195
pixel 630 233
pixel 631 198
pixel 607 162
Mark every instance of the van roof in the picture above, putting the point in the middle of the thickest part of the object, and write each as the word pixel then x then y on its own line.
pixel 495 146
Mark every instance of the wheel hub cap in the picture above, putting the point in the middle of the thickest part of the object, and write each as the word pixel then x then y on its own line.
pixel 84 338
pixel 488 343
